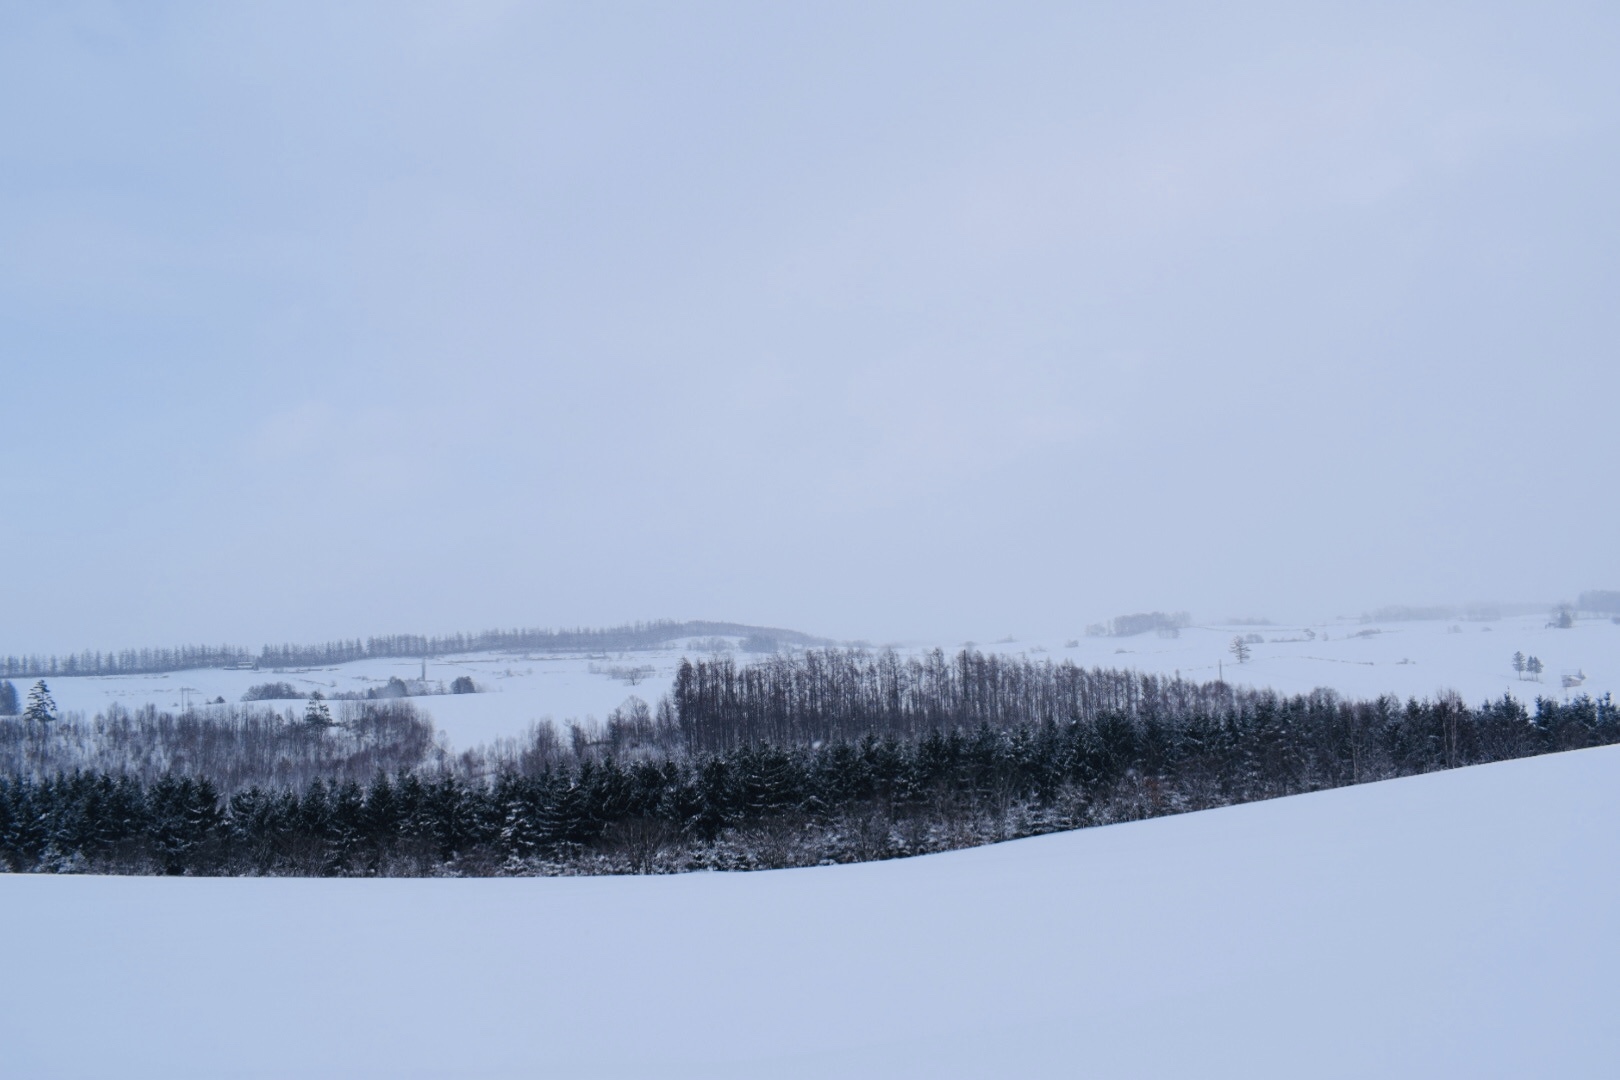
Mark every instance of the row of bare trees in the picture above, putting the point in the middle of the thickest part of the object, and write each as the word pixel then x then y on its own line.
pixel 233 746
pixel 630 637
pixel 823 695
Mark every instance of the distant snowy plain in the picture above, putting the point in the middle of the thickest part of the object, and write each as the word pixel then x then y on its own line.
pixel 1458 924
pixel 1359 659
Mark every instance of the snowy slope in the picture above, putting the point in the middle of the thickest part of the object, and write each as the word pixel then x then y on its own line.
pixel 1408 659
pixel 518 689
pixel 1456 924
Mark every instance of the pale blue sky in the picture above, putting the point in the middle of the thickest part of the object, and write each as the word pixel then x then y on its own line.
pixel 873 320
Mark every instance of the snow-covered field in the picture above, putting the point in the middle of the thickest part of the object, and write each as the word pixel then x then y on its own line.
pixel 1456 924
pixel 516 689
pixel 1359 659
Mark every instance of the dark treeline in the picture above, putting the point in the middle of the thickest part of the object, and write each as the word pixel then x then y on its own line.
pixel 633 636
pixel 739 769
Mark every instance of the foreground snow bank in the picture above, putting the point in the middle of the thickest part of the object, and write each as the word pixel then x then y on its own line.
pixel 1455 924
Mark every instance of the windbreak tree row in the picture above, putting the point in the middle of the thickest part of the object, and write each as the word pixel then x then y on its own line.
pixel 820 695
pixel 632 636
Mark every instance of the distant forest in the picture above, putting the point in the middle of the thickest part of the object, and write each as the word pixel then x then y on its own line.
pixel 627 638
pixel 821 757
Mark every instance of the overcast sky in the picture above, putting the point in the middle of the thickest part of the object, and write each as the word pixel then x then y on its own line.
pixel 893 321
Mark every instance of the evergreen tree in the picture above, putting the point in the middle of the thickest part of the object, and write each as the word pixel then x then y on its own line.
pixel 183 814
pixel 1240 649
pixel 1518 664
pixel 383 815
pixel 41 706
pixel 348 824
pixel 8 698
pixel 451 815
pixel 522 831
pixel 564 816
pixel 410 807
pixel 316 714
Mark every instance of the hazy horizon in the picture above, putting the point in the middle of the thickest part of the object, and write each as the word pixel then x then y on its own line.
pixel 1099 624
pixel 892 322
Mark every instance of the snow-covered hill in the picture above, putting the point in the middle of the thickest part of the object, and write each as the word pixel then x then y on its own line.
pixel 1361 659
pixel 1454 924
